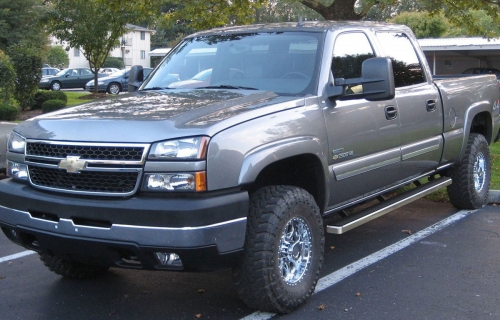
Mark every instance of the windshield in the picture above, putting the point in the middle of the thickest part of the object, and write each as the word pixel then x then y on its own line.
pixel 281 62
pixel 118 73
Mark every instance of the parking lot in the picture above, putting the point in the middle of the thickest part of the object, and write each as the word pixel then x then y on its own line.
pixel 424 261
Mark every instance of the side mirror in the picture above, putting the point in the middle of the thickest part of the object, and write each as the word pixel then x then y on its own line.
pixel 377 81
pixel 135 78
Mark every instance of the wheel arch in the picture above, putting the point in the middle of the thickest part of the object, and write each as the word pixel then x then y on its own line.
pixel 478 119
pixel 296 162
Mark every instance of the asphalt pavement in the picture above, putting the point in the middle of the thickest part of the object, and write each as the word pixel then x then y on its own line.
pixel 426 260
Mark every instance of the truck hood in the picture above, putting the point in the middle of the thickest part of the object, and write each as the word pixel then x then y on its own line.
pixel 145 117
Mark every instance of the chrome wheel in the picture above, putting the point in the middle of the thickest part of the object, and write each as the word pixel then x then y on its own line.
pixel 114 88
pixel 56 86
pixel 479 171
pixel 295 250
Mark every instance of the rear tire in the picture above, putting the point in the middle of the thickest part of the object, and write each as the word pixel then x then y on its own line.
pixel 71 269
pixel 283 253
pixel 471 177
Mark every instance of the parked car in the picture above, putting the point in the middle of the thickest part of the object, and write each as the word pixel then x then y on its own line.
pixel 5 129
pixel 202 79
pixel 114 83
pixel 67 79
pixel 49 71
pixel 108 70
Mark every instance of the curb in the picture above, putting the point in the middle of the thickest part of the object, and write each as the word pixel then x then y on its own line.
pixel 494 196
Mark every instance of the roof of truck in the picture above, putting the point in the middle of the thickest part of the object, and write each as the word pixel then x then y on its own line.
pixel 314 26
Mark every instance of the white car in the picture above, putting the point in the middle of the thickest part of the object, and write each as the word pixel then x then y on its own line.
pixel 5 129
pixel 108 70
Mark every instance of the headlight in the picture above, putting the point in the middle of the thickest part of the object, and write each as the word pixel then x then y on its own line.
pixel 176 181
pixel 43 80
pixel 181 149
pixel 16 143
pixel 100 83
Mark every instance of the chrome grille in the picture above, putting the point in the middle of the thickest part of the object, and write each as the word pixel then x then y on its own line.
pixel 85 181
pixel 90 152
pixel 103 169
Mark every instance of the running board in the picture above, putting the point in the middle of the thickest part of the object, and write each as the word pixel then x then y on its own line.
pixel 379 209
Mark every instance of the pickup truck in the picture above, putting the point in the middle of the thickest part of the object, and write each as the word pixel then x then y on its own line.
pixel 293 127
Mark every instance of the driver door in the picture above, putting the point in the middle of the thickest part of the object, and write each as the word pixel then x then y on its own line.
pixel 363 136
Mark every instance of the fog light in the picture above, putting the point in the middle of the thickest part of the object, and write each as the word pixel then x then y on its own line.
pixel 168 259
pixel 17 170
pixel 11 234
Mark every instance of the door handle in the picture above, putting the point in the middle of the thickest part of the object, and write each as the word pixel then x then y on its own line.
pixel 391 112
pixel 431 105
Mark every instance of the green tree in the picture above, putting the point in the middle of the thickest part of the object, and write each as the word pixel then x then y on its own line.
pixel 459 12
pixel 423 24
pixel 95 26
pixel 57 57
pixel 20 21
pixel 7 78
pixel 27 61
pixel 205 14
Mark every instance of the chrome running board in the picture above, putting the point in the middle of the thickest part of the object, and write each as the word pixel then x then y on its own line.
pixel 379 209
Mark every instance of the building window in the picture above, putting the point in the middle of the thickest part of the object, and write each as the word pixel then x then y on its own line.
pixel 143 54
pixel 76 52
pixel 143 35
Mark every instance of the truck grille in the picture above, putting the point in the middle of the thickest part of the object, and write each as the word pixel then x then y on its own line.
pixel 94 152
pixel 105 169
pixel 85 181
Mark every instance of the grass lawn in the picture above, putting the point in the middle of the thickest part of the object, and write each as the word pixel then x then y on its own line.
pixel 495 166
pixel 442 195
pixel 74 98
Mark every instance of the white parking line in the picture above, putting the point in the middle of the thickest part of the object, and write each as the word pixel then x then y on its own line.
pixel 17 256
pixel 339 275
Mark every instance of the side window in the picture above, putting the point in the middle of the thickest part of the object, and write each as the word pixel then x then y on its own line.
pixel 349 52
pixel 407 68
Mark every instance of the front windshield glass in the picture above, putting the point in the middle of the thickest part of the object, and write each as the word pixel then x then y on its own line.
pixel 281 62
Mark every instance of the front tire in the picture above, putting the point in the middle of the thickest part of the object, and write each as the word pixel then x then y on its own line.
pixel 283 253
pixel 71 269
pixel 471 177
pixel 56 86
pixel 114 88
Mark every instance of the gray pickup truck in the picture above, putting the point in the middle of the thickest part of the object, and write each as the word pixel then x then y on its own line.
pixel 235 149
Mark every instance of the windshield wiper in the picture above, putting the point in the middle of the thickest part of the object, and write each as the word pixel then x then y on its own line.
pixel 155 88
pixel 227 86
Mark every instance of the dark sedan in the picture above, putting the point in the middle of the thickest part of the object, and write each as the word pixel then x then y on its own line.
pixel 68 79
pixel 113 83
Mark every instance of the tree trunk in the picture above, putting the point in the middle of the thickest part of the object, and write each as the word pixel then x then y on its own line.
pixel 338 10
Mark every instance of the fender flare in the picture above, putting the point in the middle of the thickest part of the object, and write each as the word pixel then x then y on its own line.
pixel 470 114
pixel 259 158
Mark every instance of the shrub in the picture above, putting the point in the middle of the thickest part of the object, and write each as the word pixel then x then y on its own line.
pixel 27 61
pixel 41 96
pixel 53 105
pixel 8 112
pixel 112 62
pixel 7 78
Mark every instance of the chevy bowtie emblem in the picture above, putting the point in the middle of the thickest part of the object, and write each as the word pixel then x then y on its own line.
pixel 72 164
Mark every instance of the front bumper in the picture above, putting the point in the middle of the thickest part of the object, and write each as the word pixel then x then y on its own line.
pixel 44 85
pixel 100 88
pixel 113 232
